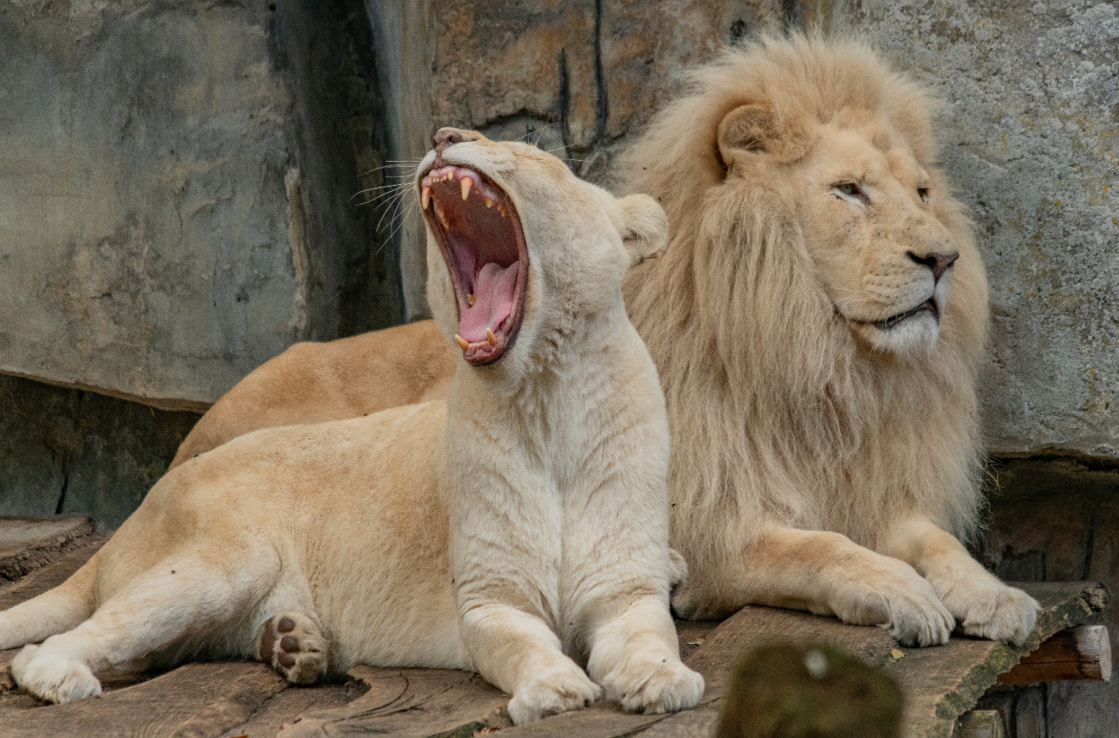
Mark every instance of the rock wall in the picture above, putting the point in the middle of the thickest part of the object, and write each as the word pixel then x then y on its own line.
pixel 174 191
pixel 1031 141
pixel 578 77
pixel 1030 132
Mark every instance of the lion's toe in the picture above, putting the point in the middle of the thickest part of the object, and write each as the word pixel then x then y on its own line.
pixel 997 612
pixel 665 686
pixel 552 693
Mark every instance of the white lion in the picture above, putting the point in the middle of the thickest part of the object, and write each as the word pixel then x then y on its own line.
pixel 818 321
pixel 520 529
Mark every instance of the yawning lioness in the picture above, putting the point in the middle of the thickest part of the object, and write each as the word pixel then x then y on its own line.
pixel 519 529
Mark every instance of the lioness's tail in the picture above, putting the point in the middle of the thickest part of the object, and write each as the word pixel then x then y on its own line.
pixel 55 611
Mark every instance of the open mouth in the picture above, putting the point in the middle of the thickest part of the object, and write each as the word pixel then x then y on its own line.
pixel 480 235
pixel 896 320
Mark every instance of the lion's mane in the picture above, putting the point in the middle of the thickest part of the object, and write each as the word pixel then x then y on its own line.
pixel 777 416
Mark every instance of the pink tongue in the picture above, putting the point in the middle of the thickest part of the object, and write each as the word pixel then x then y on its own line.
pixel 493 301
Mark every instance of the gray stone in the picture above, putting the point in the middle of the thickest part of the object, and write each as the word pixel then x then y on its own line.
pixel 1031 141
pixel 581 77
pixel 174 191
pixel 69 451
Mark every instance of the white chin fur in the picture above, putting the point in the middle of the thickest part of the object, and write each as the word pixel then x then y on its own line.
pixel 914 338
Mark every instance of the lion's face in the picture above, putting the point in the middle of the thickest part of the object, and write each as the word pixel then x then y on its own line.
pixel 883 257
pixel 867 211
pixel 528 247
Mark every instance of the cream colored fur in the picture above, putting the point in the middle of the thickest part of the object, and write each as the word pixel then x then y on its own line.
pixel 818 462
pixel 825 458
pixel 538 490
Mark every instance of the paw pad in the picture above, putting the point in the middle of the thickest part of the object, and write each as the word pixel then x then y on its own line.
pixel 294 646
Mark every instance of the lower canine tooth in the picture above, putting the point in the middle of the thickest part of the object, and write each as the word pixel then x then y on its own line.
pixel 462 342
pixel 504 210
pixel 466 183
pixel 425 197
pixel 470 299
pixel 489 203
pixel 491 339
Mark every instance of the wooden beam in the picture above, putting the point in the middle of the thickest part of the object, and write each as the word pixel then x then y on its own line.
pixel 1082 653
pixel 981 724
pixel 27 544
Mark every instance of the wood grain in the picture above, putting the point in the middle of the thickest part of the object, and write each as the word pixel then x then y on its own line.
pixel 1082 653
pixel 27 544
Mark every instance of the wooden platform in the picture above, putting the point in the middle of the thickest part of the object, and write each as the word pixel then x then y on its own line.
pixel 234 699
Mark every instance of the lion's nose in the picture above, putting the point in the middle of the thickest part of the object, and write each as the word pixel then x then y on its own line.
pixel 445 137
pixel 938 262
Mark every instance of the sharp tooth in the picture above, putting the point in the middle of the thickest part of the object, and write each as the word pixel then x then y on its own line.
pixel 470 299
pixel 462 342
pixel 489 202
pixel 442 218
pixel 425 197
pixel 504 210
pixel 490 337
pixel 466 183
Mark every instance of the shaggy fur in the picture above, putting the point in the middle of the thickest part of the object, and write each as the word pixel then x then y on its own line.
pixel 519 526
pixel 790 412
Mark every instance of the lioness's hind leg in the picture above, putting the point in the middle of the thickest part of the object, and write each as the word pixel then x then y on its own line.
pixel 293 644
pixel 178 606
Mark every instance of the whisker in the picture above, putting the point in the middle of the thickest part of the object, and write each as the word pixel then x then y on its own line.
pixel 383 192
pixel 394 206
pixel 399 223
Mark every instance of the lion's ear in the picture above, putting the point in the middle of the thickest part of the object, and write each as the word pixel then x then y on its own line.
pixel 747 128
pixel 644 227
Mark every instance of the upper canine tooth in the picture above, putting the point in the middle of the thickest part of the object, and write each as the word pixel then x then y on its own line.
pixel 425 197
pixel 466 183
pixel 462 342
pixel 490 337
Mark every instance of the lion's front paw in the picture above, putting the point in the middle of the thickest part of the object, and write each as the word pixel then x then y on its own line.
pixel 987 608
pixel 294 646
pixel 654 686
pixel 903 603
pixel 53 678
pixel 557 691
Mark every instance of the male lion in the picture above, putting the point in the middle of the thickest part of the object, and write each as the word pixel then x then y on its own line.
pixel 520 524
pixel 821 386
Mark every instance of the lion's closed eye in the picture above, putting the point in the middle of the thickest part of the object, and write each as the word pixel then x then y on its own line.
pixel 851 191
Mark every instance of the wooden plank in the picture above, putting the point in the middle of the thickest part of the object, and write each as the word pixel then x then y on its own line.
pixel 749 628
pixel 1082 653
pixel 942 683
pixel 49 576
pixel 26 544
pixel 467 705
pixel 193 700
pixel 415 702
pixel 286 706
